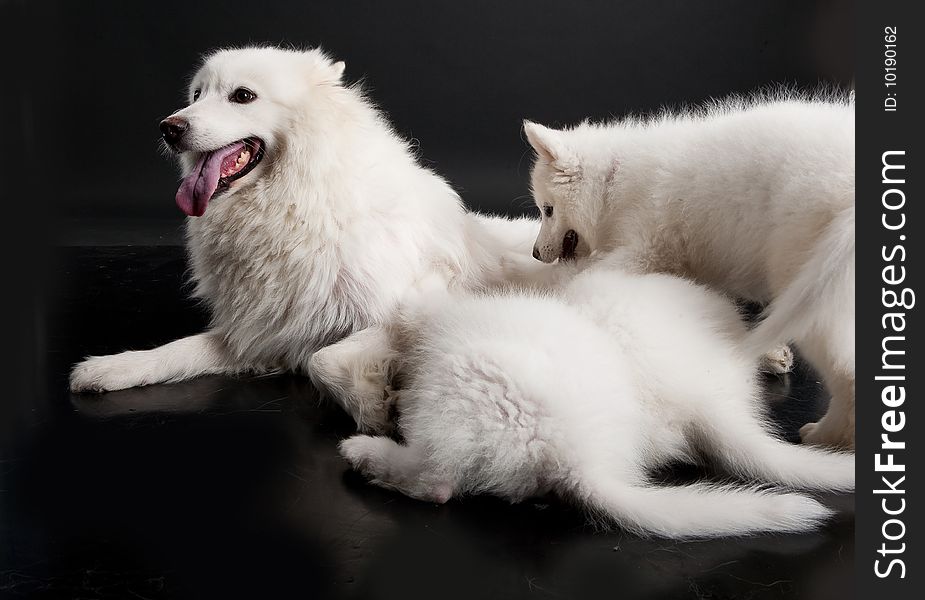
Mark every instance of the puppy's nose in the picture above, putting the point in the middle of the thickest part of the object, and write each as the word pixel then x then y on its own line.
pixel 173 128
pixel 536 253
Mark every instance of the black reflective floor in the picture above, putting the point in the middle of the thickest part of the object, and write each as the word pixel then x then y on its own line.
pixel 220 488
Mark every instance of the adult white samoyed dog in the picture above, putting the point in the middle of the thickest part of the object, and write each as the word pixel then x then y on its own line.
pixel 309 219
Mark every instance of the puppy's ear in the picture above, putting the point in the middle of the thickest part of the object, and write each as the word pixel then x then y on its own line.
pixel 550 145
pixel 338 68
pixel 543 140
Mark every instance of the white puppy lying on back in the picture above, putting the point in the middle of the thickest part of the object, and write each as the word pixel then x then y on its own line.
pixel 309 219
pixel 581 393
pixel 754 198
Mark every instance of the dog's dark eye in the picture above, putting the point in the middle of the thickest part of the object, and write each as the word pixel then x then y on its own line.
pixel 547 210
pixel 196 95
pixel 243 96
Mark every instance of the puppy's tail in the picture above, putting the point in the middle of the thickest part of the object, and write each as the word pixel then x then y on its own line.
pixel 749 450
pixel 821 297
pixel 701 510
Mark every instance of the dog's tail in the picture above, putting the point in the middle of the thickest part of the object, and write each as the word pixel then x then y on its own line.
pixel 747 449
pixel 819 298
pixel 700 510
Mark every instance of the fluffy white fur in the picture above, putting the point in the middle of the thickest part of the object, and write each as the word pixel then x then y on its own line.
pixel 754 198
pixel 321 239
pixel 579 393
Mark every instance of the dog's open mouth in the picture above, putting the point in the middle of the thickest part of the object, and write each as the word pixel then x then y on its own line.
pixel 569 244
pixel 214 173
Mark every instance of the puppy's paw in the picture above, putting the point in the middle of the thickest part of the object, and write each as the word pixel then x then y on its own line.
pixel 818 435
pixel 359 451
pixel 104 374
pixel 808 433
pixel 374 411
pixel 438 493
pixel 324 372
pixel 778 361
pixel 360 389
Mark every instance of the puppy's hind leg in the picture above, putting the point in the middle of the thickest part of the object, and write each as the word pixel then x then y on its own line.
pixel 202 354
pixel 393 466
pixel 836 428
pixel 816 310
pixel 830 349
pixel 354 372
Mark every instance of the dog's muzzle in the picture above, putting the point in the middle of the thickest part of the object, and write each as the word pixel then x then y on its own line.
pixel 173 128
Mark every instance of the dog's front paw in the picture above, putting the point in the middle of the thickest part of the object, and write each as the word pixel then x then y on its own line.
pixel 817 434
pixel 103 374
pixel 778 361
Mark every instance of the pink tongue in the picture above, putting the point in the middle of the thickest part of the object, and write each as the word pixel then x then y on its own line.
pixel 197 188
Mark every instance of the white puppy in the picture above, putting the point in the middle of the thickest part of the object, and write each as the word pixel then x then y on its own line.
pixel 581 394
pixel 312 218
pixel 754 198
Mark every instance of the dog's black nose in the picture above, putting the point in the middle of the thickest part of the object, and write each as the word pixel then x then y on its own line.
pixel 536 253
pixel 173 128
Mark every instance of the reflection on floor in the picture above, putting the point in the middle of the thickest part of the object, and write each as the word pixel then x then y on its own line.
pixel 221 488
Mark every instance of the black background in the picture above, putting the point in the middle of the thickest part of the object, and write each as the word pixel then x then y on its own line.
pixel 458 77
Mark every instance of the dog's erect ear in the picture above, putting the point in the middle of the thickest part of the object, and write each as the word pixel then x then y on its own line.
pixel 543 140
pixel 550 146
pixel 324 70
